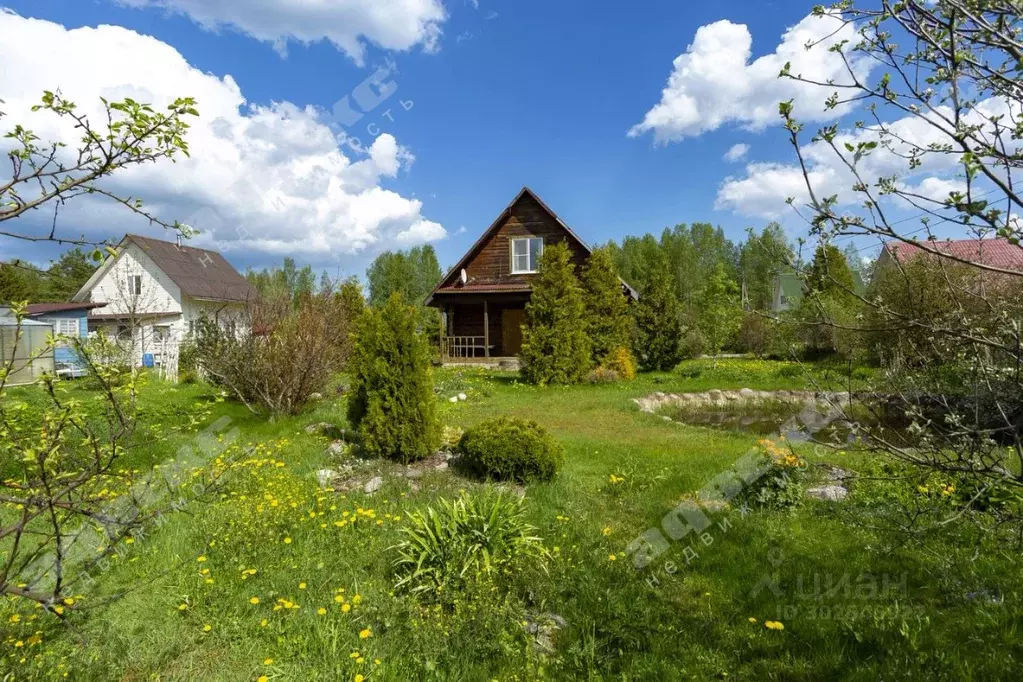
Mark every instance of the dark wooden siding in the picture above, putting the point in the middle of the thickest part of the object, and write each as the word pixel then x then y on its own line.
pixel 491 263
pixel 468 321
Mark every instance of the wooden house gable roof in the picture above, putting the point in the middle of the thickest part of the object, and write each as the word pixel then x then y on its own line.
pixel 450 282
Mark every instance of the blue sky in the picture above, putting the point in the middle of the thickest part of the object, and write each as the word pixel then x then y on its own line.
pixel 530 92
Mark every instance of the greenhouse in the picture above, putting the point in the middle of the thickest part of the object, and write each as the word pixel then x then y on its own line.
pixel 31 356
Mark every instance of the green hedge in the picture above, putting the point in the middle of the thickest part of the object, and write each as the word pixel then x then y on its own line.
pixel 511 449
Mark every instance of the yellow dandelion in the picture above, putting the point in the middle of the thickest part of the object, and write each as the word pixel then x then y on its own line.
pixel 359 678
pixel 612 557
pixel 287 541
pixel 321 611
pixel 774 625
pixel 301 586
pixel 207 628
pixel 254 600
pixel 366 634
pixel 752 619
pixel 345 608
pixel 262 678
pixel 606 530
pixel 268 661
pixel 182 607
pixel 201 559
pixel 263 623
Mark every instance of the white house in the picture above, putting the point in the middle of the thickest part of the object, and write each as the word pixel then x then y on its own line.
pixel 155 291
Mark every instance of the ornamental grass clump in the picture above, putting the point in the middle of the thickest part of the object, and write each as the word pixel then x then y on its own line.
pixel 471 540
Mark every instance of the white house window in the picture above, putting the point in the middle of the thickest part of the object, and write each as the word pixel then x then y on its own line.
pixel 67 327
pixel 136 285
pixel 526 255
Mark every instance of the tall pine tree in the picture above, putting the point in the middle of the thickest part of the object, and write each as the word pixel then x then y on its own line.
pixel 555 346
pixel 608 323
pixel 658 316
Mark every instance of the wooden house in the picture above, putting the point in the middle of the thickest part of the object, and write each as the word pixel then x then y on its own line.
pixel 483 297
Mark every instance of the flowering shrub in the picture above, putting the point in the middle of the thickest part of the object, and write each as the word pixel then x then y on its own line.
pixel 474 538
pixel 621 361
pixel 513 449
pixel 781 485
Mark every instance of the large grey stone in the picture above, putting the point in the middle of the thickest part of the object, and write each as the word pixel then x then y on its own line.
pixel 373 485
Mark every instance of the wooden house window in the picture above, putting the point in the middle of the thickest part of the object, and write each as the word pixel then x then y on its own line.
pixel 525 255
pixel 136 285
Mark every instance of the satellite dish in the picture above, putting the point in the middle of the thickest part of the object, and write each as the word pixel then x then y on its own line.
pixel 463 277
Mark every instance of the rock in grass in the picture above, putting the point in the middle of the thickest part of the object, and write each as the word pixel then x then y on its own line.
pixel 373 485
pixel 325 476
pixel 453 399
pixel 462 396
pixel 828 493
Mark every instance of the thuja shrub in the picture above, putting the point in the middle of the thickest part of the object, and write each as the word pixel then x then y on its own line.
pixel 555 346
pixel 392 405
pixel 511 449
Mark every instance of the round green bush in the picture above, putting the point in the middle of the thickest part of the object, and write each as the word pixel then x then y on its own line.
pixel 511 449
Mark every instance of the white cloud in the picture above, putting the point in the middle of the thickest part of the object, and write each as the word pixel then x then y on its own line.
pixel 736 152
pixel 269 179
pixel 714 82
pixel 348 24
pixel 765 186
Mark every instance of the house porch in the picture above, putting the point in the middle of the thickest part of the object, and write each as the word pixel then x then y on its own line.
pixel 482 330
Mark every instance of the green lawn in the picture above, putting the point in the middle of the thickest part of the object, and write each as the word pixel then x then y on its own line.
pixel 855 603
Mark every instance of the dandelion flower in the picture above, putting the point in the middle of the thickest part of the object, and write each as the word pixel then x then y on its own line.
pixel 752 619
pixel 268 661
pixel 182 607
pixel 366 634
pixel 287 541
pixel 612 557
pixel 774 625
pixel 254 600
pixel 301 586
pixel 262 678
pixel 321 611
pixel 359 678
pixel 345 608
pixel 207 628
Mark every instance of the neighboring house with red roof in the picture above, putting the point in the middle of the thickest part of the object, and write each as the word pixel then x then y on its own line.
pixel 156 290
pixel 483 297
pixel 997 254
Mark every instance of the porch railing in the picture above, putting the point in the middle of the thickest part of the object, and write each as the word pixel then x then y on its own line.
pixel 460 347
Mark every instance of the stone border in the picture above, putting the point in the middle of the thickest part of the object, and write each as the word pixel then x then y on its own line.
pixel 744 396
